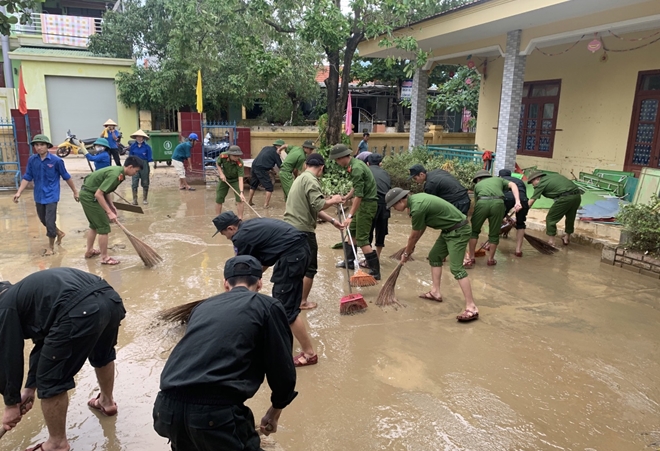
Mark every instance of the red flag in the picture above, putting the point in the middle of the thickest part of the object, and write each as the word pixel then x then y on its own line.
pixel 349 115
pixel 22 102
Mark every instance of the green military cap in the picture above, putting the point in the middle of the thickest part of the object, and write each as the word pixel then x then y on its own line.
pixel 309 144
pixel 339 151
pixel 41 139
pixel 279 142
pixel 535 175
pixel 482 173
pixel 395 195
pixel 235 150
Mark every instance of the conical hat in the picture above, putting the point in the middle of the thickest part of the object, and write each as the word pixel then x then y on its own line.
pixel 109 122
pixel 140 133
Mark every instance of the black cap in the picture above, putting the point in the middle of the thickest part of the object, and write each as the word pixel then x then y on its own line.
pixel 415 170
pixel 224 220
pixel 253 267
pixel 504 173
pixel 315 159
pixel 374 159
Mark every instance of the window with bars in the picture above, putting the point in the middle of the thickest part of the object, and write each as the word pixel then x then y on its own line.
pixel 644 140
pixel 538 118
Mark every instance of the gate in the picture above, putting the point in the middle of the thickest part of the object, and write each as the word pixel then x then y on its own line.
pixel 10 167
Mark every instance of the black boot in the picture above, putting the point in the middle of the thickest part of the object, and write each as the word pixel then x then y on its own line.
pixel 135 197
pixel 374 264
pixel 348 249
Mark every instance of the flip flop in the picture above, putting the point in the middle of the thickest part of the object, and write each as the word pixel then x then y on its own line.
pixel 95 405
pixel 469 263
pixel 301 360
pixel 565 242
pixel 110 261
pixel 182 189
pixel 36 448
pixel 429 296
pixel 308 306
pixel 467 316
pixel 191 189
pixel 492 262
pixel 94 253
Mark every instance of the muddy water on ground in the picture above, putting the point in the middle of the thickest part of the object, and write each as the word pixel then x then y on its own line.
pixel 565 355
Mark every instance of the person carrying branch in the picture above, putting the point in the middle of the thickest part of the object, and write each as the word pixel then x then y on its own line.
pixel 97 204
pixel 267 160
pixel 427 210
pixel 231 172
pixel 363 209
pixel 567 199
pixel 304 206
pixel 231 342
pixel 294 161
pixel 70 316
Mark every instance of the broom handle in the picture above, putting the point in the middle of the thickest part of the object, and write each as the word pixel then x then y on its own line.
pixel 350 239
pixel 348 271
pixel 120 196
pixel 236 192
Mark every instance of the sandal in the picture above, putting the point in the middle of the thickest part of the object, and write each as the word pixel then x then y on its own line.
pixel 308 305
pixel 301 360
pixel 110 261
pixel 492 262
pixel 518 254
pixel 92 253
pixel 95 405
pixel 566 241
pixel 429 296
pixel 190 188
pixel 467 316
pixel 469 263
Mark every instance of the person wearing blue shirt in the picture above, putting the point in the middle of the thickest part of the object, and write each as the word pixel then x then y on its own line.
pixel 112 135
pixel 364 144
pixel 45 171
pixel 142 150
pixel 101 158
pixel 181 155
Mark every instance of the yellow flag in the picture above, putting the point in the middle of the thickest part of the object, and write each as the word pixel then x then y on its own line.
pixel 199 92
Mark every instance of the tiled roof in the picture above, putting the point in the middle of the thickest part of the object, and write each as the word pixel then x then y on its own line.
pixel 449 11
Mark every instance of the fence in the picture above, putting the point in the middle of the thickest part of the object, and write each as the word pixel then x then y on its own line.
pixel 464 153
pixel 10 167
pixel 34 26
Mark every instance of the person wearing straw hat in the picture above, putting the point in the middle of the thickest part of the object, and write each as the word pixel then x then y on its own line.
pixel 101 155
pixel 180 156
pixel 489 197
pixel 363 208
pixel 304 206
pixel 425 211
pixel 231 172
pixel 567 200
pixel 142 150
pixel 71 316
pixel 267 160
pixel 232 342
pixel 98 207
pixel 45 170
pixel 294 161
pixel 112 135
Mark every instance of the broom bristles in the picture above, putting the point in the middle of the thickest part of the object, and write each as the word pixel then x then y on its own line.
pixel 542 246
pixel 352 304
pixel 362 279
pixel 398 254
pixel 386 296
pixel 180 313
pixel 149 257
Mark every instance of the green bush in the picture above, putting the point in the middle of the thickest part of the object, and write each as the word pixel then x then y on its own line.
pixel 336 179
pixel 642 222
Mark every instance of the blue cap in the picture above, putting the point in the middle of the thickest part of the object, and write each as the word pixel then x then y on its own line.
pixel 193 136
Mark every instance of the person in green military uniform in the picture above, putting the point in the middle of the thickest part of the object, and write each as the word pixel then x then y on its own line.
pixel 363 208
pixel 231 173
pixel 98 207
pixel 427 210
pixel 489 197
pixel 294 161
pixel 304 206
pixel 567 199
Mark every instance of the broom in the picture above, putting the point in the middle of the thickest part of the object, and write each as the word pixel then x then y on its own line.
pixel 180 313
pixel 386 296
pixel 360 278
pixel 542 246
pixel 351 303
pixel 236 192
pixel 146 253
pixel 398 254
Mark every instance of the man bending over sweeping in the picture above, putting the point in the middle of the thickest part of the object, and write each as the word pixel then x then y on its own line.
pixel 427 210
pixel 232 341
pixel 71 316
pixel 275 243
pixel 304 205
pixel 98 207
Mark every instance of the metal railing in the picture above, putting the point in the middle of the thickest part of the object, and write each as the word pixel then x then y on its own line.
pixel 464 153
pixel 10 166
pixel 34 26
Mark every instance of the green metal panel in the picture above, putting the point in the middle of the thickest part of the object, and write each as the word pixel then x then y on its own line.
pixel 649 185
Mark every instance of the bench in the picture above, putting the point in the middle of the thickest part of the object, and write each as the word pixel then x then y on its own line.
pixel 14 172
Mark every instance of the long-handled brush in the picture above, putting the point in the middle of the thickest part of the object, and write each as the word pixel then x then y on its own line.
pixel 236 192
pixel 542 246
pixel 351 303
pixel 180 313
pixel 398 254
pixel 149 256
pixel 386 296
pixel 360 278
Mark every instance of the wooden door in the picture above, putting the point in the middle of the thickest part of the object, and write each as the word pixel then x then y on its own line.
pixel 644 139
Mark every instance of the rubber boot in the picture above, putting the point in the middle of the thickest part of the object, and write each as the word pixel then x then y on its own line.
pixel 145 193
pixel 374 264
pixel 135 202
pixel 351 257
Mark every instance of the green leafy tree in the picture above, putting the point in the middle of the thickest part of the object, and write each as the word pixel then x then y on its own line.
pixel 14 12
pixel 459 91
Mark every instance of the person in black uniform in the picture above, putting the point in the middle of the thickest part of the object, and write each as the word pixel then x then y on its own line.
pixel 442 184
pixel 232 341
pixel 268 159
pixel 509 202
pixel 275 243
pixel 383 185
pixel 71 316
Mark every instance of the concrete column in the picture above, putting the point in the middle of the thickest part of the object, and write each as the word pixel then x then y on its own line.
pixel 418 113
pixel 512 87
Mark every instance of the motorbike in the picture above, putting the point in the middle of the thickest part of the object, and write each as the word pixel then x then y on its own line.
pixel 213 151
pixel 73 145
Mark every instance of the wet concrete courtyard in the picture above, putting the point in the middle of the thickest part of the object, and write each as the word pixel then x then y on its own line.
pixel 565 355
